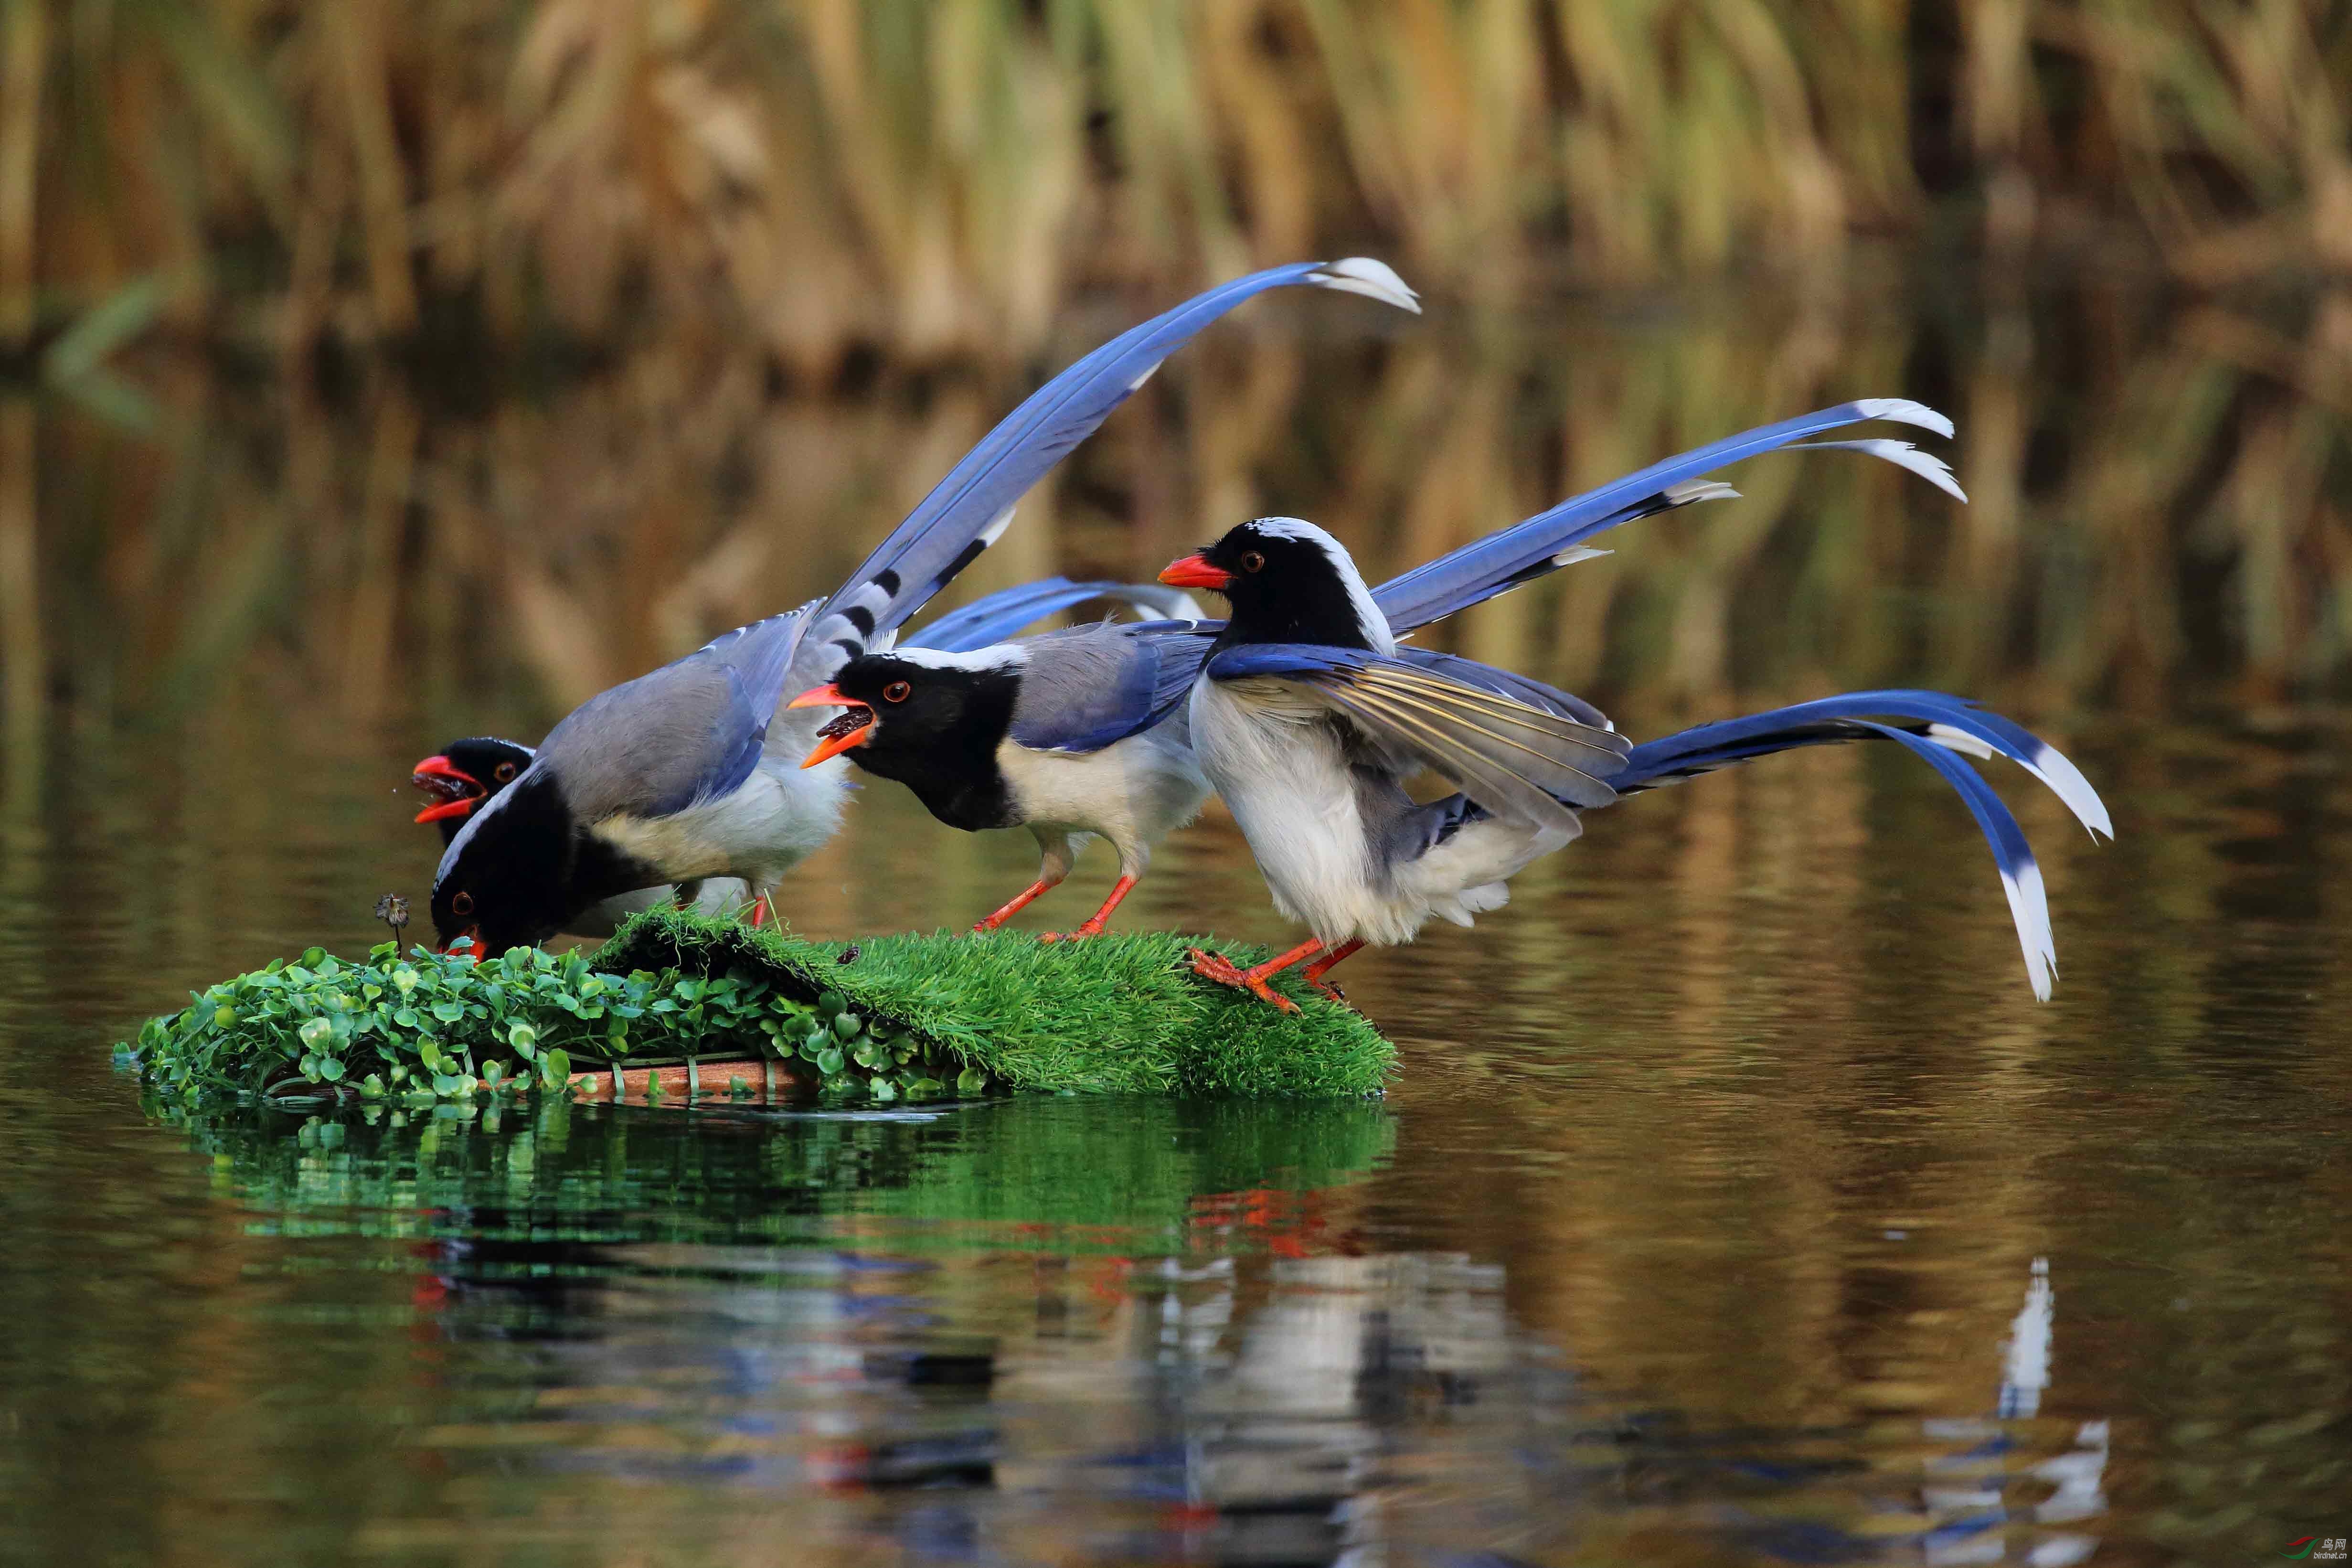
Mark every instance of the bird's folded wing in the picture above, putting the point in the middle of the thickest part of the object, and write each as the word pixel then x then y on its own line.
pixel 1085 689
pixel 657 745
pixel 986 622
pixel 1516 761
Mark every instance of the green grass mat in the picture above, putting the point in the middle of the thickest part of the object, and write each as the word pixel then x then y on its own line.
pixel 906 1018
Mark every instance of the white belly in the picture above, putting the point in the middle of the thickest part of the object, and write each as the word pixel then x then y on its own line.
pixel 1274 757
pixel 780 816
pixel 1134 792
pixel 1278 767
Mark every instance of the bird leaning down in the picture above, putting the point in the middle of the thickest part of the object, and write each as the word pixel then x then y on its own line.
pixel 465 773
pixel 1309 720
pixel 1087 732
pixel 689 772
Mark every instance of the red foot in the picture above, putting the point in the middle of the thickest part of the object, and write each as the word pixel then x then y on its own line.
pixel 1216 966
pixel 1316 971
pixel 1096 922
pixel 1013 906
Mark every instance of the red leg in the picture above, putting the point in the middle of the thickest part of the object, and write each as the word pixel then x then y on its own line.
pixel 1322 966
pixel 759 912
pixel 1094 925
pixel 1219 968
pixel 1015 904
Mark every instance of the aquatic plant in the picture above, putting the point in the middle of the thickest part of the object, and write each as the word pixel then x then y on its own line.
pixel 429 1027
pixel 908 1018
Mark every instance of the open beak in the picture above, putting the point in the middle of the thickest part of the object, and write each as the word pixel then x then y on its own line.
pixel 456 792
pixel 851 730
pixel 1194 570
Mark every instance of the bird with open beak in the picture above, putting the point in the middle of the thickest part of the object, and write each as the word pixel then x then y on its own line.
pixel 462 775
pixel 953 728
pixel 1087 733
pixel 690 772
pixel 1310 721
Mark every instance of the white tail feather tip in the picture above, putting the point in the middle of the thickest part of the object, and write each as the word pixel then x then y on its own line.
pixel 2067 782
pixel 1903 455
pixel 1373 280
pixel 2029 906
pixel 1693 490
pixel 1903 411
pixel 1576 553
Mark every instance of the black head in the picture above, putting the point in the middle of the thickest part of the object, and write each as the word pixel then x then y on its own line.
pixel 1287 581
pixel 463 774
pixel 521 868
pixel 930 720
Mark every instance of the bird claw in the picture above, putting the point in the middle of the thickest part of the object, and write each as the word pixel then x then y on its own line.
pixel 1081 934
pixel 1216 966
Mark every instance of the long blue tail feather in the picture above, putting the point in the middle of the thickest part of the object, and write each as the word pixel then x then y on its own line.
pixel 1505 559
pixel 969 509
pixel 1938 727
pixel 2021 875
pixel 1825 720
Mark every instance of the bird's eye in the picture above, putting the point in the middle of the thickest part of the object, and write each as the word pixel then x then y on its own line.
pixel 1251 561
pixel 462 904
pixel 504 773
pixel 897 691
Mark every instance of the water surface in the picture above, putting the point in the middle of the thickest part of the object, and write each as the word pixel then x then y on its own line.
pixel 1735 1202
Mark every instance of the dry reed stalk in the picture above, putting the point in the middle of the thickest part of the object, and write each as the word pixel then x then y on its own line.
pixel 24 62
pixel 24 660
pixel 941 176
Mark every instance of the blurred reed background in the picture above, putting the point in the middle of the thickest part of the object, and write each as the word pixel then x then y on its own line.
pixel 401 343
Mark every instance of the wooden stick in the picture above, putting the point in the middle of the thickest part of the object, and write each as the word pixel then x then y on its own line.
pixel 765 1081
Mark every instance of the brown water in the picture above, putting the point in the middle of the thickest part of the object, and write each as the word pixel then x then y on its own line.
pixel 1735 1204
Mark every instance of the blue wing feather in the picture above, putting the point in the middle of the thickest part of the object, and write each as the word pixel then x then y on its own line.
pixel 1505 683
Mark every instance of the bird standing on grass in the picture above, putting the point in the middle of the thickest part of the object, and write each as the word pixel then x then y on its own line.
pixel 465 773
pixel 1309 720
pixel 689 772
pixel 1086 732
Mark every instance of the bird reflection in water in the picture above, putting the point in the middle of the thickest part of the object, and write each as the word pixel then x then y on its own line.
pixel 1272 1393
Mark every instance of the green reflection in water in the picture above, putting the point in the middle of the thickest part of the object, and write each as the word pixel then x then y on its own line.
pixel 1156 1175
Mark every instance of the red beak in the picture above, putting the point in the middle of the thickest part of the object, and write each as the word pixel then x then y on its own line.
pixel 460 791
pixel 1194 570
pixel 473 933
pixel 851 730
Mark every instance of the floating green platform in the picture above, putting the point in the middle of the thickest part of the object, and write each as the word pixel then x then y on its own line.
pixel 885 1018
